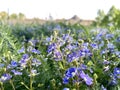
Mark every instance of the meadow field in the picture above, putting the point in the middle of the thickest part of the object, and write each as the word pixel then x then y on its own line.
pixel 59 56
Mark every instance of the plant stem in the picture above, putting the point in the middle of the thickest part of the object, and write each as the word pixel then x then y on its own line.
pixel 25 85
pixel 31 77
pixel 2 88
pixel 11 82
pixel 31 82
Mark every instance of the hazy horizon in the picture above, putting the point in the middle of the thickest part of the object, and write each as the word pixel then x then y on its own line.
pixel 58 9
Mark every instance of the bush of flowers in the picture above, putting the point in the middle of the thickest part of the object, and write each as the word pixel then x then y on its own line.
pixel 64 60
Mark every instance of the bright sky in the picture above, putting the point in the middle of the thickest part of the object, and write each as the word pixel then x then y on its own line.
pixel 85 9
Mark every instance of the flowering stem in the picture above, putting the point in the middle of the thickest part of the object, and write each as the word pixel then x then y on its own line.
pixel 25 85
pixel 2 88
pixel 77 86
pixel 31 82
pixel 31 77
pixel 11 82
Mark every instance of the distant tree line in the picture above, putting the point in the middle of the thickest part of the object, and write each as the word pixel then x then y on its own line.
pixel 4 16
pixel 112 18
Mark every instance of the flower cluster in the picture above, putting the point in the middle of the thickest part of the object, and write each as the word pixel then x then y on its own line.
pixel 67 60
pixel 16 68
pixel 115 76
pixel 79 73
pixel 5 77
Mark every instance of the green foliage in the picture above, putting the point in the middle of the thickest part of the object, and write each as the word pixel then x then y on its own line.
pixel 50 72
pixel 13 16
pixel 3 15
pixel 110 19
pixel 21 16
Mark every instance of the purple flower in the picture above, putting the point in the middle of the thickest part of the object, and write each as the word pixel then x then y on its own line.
pixel 33 42
pixel 115 76
pixel 66 89
pixel 103 88
pixel 88 80
pixel 104 52
pixel 70 47
pixel 71 57
pixel 118 53
pixel 51 47
pixel 106 62
pixel 118 39
pixel 48 39
pixel 25 56
pixel 24 60
pixel 23 63
pixel 65 80
pixel 83 66
pixel 33 73
pixel 57 27
pixel 71 72
pixel 5 77
pixel 16 72
pixel 94 46
pixel 110 46
pixel 81 53
pixel 98 37
pixel 57 55
pixel 14 64
pixel 109 36
pixel 2 65
pixel 114 81
pixel 67 37
pixel 35 51
pixel 36 62
pixel 21 50
pixel 101 44
pixel 60 42
pixel 91 70
pixel 106 68
pixel 85 44
pixel 116 71
pixel 87 52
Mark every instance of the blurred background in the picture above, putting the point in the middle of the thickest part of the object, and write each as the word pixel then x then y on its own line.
pixel 86 32
pixel 84 12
